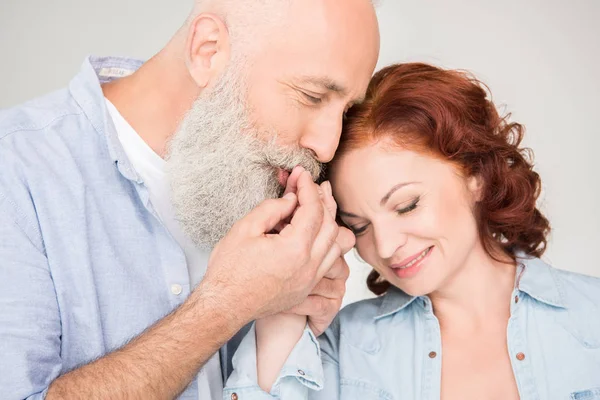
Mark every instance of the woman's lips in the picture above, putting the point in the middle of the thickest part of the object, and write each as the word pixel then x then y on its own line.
pixel 410 266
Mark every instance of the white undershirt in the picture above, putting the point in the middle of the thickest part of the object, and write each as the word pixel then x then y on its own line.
pixel 151 168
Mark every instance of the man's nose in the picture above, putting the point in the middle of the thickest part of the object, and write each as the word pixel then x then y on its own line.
pixel 323 139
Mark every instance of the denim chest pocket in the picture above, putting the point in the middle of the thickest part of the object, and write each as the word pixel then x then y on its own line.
pixel 590 394
pixel 354 389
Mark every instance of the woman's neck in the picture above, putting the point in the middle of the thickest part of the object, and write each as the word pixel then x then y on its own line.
pixel 477 295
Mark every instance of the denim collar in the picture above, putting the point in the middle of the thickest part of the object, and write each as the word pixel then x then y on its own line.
pixel 534 277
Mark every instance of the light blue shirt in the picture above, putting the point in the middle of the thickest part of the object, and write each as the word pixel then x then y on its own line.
pixel 390 348
pixel 85 263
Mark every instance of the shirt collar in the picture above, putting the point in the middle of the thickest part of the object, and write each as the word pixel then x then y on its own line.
pixel 534 277
pixel 538 280
pixel 393 301
pixel 87 92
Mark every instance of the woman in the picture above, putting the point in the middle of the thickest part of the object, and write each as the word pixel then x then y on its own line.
pixel 442 201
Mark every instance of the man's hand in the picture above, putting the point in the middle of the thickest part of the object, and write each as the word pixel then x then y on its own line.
pixel 261 273
pixel 325 300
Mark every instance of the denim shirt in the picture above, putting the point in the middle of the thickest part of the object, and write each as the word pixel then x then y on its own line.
pixel 85 263
pixel 389 348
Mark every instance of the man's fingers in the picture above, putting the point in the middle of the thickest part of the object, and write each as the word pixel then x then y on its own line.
pixel 292 181
pixel 317 306
pixel 325 249
pixel 330 288
pixel 339 270
pixel 328 200
pixel 267 215
pixel 345 239
pixel 307 220
pixel 344 242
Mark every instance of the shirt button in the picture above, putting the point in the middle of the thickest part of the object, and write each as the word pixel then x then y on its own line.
pixel 176 289
pixel 234 396
pixel 520 356
pixel 302 373
pixel 516 299
pixel 433 354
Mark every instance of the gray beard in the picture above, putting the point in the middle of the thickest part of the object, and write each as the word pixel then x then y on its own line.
pixel 219 169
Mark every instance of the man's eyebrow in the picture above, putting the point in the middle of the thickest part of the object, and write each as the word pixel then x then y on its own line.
pixel 325 83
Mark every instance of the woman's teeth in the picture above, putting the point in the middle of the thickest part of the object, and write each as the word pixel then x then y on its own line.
pixel 416 260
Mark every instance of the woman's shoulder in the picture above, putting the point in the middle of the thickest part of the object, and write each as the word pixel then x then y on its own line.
pixel 569 298
pixel 581 296
pixel 577 289
pixel 557 286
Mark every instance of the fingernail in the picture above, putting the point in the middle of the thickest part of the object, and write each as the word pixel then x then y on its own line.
pixel 290 196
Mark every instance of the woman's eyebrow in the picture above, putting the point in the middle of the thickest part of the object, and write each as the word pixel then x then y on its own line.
pixel 385 198
pixel 343 213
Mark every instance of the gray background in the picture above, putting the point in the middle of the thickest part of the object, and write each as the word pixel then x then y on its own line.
pixel 539 57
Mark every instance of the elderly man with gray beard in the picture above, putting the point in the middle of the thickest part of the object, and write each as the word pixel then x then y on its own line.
pixel 145 220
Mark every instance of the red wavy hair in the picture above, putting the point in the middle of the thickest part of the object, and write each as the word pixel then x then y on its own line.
pixel 448 113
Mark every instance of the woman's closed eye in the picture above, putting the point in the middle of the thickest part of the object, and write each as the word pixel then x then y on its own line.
pixel 358 230
pixel 411 207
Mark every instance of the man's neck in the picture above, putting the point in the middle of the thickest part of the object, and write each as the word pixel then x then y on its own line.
pixel 155 98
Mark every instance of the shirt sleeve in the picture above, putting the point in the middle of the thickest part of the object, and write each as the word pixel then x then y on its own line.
pixel 301 373
pixel 308 373
pixel 30 328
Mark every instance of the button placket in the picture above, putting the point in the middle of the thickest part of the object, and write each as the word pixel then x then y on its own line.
pixel 517 347
pixel 432 373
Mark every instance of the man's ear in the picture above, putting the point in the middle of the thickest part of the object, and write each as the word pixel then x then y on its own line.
pixel 475 186
pixel 207 49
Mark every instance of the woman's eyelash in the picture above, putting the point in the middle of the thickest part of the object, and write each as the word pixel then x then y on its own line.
pixel 358 231
pixel 405 210
pixel 410 208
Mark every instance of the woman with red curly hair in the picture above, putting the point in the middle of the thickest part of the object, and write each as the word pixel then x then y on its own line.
pixel 441 197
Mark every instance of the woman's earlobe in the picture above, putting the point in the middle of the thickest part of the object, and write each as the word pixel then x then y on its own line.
pixel 475 186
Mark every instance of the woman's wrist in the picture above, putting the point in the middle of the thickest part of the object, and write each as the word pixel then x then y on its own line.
pixel 276 337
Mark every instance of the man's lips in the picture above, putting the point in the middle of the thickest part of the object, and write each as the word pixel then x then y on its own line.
pixel 282 176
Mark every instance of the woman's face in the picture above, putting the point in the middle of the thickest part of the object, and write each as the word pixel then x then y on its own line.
pixel 411 213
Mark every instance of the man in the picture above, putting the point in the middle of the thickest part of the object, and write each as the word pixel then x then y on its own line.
pixel 140 219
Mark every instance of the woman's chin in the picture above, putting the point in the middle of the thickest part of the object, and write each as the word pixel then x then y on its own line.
pixel 422 286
